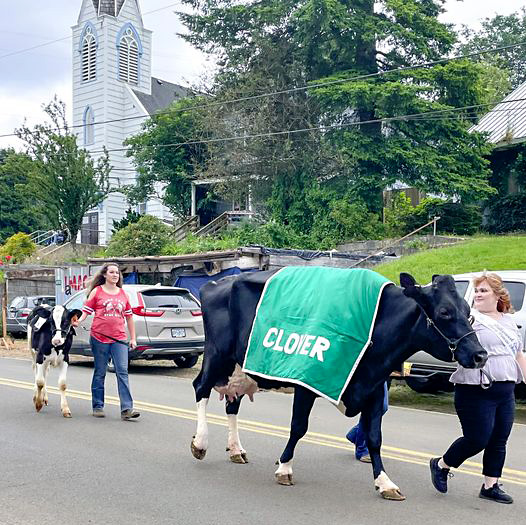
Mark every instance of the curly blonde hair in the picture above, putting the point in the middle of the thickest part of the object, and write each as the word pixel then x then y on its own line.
pixel 495 283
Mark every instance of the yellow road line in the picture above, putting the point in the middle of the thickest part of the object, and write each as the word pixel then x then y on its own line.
pixel 517 477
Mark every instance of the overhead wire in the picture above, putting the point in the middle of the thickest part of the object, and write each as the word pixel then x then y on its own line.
pixel 298 88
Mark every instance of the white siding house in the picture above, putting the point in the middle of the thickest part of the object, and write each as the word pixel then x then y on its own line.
pixel 113 93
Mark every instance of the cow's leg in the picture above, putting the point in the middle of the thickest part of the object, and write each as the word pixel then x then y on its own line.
pixel 62 385
pixel 199 444
pixel 371 421
pixel 44 389
pixel 40 384
pixel 237 452
pixel 303 402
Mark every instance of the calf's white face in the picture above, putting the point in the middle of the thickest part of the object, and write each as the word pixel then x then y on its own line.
pixel 58 315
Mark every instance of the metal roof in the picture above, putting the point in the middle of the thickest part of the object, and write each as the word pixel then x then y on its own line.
pixel 506 122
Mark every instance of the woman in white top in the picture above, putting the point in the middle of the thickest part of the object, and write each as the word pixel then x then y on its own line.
pixel 484 399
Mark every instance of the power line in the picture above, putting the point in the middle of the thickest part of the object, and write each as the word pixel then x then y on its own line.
pixel 300 88
pixel 415 117
pixel 48 43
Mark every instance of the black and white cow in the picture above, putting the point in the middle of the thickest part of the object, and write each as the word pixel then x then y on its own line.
pixel 49 337
pixel 411 318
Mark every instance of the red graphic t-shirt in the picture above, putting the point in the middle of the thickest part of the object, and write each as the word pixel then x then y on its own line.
pixel 110 311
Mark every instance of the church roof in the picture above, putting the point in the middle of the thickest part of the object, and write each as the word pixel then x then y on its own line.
pixel 506 122
pixel 163 94
pixel 108 7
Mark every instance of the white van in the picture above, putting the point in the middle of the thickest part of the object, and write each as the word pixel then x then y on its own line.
pixel 424 373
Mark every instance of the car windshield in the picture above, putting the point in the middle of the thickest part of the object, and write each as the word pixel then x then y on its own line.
pixel 43 300
pixel 18 302
pixel 516 293
pixel 168 299
pixel 461 287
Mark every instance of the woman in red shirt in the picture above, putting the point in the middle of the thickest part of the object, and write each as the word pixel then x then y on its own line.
pixel 111 306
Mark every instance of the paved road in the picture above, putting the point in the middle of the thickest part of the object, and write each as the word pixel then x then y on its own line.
pixel 84 470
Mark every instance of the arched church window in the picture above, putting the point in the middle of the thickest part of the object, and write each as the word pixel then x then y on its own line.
pixel 88 55
pixel 89 126
pixel 129 57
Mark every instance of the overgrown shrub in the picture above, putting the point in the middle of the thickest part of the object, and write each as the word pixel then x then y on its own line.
pixel 19 247
pixel 147 236
pixel 508 214
pixel 130 217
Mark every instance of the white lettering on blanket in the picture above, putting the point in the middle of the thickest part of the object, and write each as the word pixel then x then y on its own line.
pixel 301 344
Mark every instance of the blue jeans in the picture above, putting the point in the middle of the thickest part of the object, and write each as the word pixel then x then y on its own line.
pixel 357 436
pixel 119 355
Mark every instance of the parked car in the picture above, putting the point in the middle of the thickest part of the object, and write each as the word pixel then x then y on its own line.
pixel 20 308
pixel 168 324
pixel 425 374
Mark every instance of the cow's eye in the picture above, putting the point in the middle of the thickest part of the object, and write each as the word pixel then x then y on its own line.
pixel 444 313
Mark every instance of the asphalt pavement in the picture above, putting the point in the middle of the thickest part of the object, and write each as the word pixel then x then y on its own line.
pixel 85 470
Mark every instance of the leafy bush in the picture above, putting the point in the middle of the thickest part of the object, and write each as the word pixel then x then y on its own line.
pixel 508 214
pixel 130 217
pixel 147 236
pixel 18 247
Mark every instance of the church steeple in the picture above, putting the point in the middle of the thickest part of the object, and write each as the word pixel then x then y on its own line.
pixel 108 7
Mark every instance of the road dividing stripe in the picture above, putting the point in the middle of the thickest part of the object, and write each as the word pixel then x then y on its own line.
pixel 517 477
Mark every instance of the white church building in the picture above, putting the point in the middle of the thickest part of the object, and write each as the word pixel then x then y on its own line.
pixel 113 93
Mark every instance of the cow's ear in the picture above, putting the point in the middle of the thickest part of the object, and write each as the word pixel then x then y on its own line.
pixel 38 317
pixel 410 286
pixel 73 315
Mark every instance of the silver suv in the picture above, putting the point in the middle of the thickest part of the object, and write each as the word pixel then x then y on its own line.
pixel 168 324
pixel 21 307
pixel 426 374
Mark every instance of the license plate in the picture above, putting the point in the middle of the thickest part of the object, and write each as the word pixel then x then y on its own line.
pixel 178 332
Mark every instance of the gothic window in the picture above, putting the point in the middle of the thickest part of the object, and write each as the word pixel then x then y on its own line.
pixel 88 55
pixel 129 53
pixel 89 126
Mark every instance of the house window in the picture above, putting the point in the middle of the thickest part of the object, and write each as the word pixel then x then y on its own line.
pixel 88 55
pixel 129 52
pixel 89 126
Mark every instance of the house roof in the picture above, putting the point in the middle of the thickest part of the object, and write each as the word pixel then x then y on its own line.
pixel 506 122
pixel 163 94
pixel 108 7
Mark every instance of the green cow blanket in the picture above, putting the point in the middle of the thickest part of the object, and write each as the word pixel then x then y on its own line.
pixel 313 325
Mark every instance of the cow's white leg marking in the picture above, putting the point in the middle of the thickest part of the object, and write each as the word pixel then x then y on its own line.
pixel 387 488
pixel 200 441
pixel 62 387
pixel 284 473
pixel 39 385
pixel 44 389
pixel 237 452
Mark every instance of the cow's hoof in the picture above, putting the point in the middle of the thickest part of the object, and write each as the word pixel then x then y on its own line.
pixel 66 414
pixel 393 495
pixel 197 452
pixel 239 458
pixel 284 479
pixel 45 402
pixel 38 406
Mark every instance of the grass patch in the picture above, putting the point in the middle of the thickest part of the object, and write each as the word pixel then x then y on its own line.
pixel 491 252
pixel 401 395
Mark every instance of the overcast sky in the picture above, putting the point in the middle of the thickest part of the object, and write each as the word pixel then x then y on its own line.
pixel 29 79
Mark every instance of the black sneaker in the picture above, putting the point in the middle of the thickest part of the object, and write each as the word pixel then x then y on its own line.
pixel 439 475
pixel 495 493
pixel 129 414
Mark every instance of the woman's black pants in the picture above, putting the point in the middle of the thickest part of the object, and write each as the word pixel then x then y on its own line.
pixel 486 417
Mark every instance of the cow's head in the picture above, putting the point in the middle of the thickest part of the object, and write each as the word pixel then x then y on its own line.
pixel 60 321
pixel 449 333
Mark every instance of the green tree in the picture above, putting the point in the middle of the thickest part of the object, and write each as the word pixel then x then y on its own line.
pixel 19 246
pixel 270 45
pixel 67 182
pixel 17 211
pixel 500 31
pixel 174 166
pixel 148 236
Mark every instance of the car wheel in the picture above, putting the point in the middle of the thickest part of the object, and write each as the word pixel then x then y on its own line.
pixel 429 385
pixel 186 361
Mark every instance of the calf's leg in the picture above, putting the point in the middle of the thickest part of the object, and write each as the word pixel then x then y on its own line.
pixel 302 406
pixel 66 412
pixel 40 383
